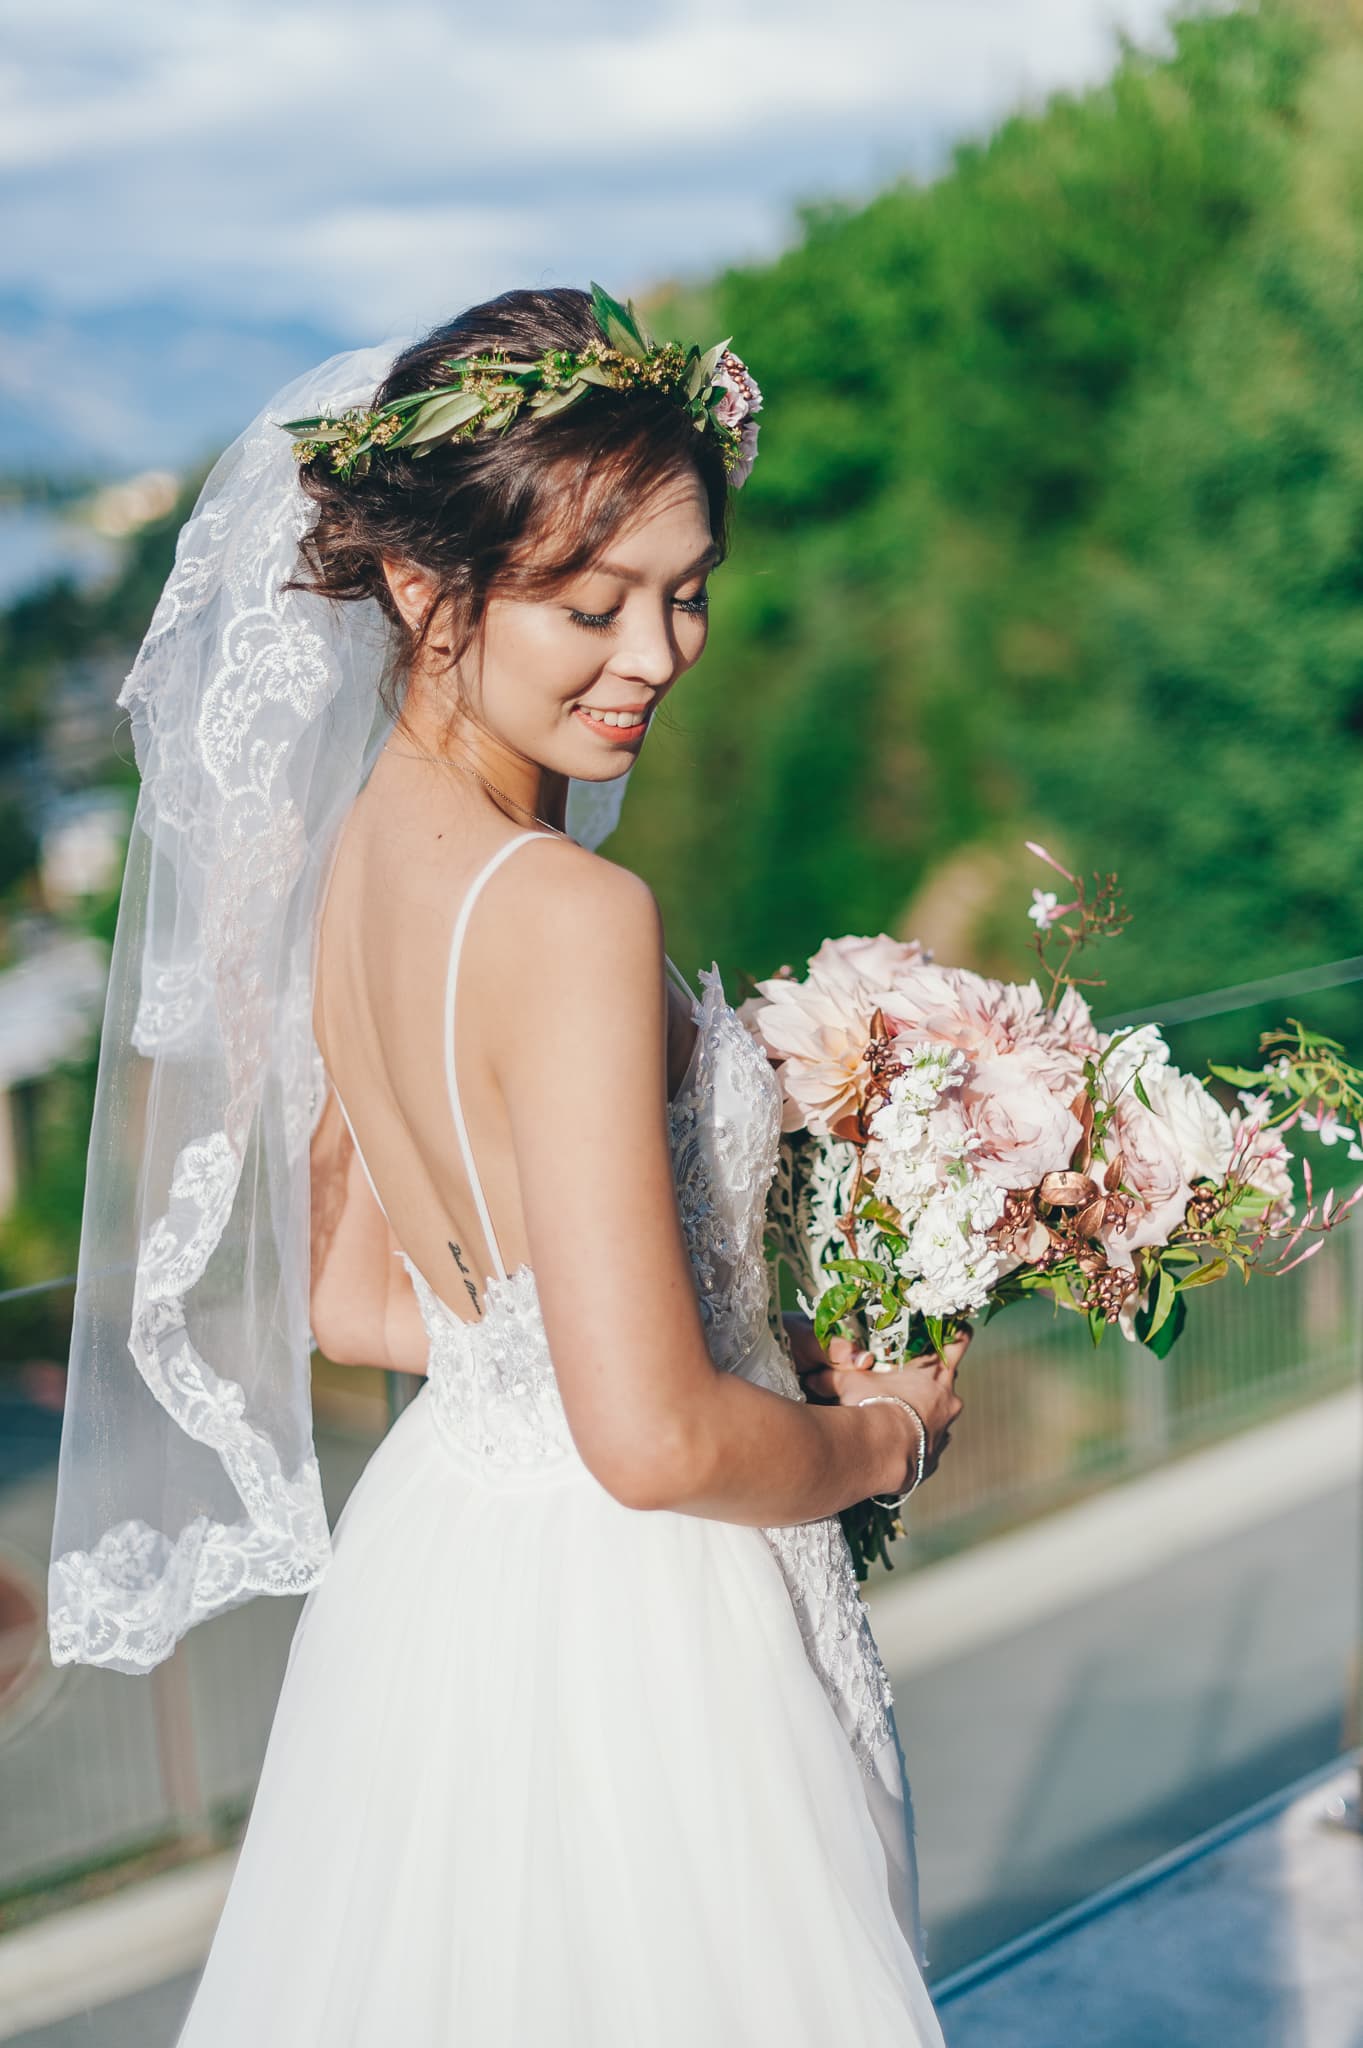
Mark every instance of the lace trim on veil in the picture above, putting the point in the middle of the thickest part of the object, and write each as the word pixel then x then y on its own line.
pixel 256 718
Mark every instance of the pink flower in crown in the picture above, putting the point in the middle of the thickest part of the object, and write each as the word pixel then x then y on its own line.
pixel 740 393
pixel 739 399
pixel 747 455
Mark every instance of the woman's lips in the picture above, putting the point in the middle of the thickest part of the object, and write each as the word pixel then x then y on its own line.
pixel 619 735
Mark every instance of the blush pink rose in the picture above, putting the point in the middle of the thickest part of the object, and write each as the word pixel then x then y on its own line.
pixel 1016 1108
pixel 1153 1169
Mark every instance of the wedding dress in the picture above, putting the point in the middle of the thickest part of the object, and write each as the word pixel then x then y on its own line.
pixel 549 1770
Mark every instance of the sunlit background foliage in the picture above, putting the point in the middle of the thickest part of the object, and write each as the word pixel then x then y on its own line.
pixel 1056 533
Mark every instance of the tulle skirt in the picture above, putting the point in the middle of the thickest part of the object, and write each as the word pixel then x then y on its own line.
pixel 550 1772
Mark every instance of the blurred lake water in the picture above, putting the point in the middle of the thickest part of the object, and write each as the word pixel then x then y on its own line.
pixel 36 543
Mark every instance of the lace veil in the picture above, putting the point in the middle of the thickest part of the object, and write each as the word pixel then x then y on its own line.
pixel 187 1479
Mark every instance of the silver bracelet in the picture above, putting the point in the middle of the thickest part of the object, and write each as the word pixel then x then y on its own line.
pixel 917 1479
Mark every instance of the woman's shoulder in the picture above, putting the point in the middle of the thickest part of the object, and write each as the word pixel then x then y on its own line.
pixel 559 888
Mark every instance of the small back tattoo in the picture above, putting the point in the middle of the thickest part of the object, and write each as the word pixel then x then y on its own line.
pixel 469 1286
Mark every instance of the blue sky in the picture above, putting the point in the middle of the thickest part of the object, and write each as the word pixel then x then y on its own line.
pixel 371 168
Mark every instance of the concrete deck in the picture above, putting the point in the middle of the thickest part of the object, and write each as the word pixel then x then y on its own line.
pixel 1250 1938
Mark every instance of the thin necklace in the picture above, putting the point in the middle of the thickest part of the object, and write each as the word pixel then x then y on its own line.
pixel 444 761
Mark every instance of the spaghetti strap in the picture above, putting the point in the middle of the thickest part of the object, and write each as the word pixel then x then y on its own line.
pixel 451 975
pixel 358 1154
pixel 680 979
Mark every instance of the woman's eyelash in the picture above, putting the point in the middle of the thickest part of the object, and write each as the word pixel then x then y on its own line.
pixel 601 622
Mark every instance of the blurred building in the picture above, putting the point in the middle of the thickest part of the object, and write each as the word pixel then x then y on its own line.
pixel 51 1003
pixel 81 846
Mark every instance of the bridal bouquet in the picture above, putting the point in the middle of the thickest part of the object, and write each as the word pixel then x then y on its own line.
pixel 952 1143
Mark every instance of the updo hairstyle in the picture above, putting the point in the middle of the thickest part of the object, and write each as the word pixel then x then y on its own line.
pixel 472 513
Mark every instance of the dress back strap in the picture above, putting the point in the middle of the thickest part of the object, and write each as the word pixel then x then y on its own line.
pixel 451 1082
pixel 356 1143
pixel 680 979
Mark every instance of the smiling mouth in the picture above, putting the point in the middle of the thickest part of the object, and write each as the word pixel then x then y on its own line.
pixel 615 721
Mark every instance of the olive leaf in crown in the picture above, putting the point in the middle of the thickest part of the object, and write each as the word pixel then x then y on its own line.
pixel 490 391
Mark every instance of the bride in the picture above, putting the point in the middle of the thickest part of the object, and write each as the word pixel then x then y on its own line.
pixel 583 1737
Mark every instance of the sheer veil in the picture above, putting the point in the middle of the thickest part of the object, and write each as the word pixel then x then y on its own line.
pixel 187 1479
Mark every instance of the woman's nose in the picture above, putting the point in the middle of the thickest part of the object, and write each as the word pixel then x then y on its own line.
pixel 648 651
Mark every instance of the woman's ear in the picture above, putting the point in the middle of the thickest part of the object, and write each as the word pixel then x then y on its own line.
pixel 412 590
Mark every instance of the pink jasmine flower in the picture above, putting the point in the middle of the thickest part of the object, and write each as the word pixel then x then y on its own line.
pixel 1047 908
pixel 1326 1126
pixel 1049 858
pixel 1258 1105
pixel 1261 1159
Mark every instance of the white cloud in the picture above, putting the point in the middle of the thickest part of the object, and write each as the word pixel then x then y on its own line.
pixel 365 167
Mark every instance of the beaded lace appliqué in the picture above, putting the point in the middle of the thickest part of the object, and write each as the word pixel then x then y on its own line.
pixel 726 1132
pixel 492 1386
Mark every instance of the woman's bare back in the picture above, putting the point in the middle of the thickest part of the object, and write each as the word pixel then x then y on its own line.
pixel 410 851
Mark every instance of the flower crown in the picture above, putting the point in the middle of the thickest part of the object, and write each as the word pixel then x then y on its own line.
pixel 490 391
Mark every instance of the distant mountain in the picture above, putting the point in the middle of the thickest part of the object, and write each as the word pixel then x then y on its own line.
pixel 139 386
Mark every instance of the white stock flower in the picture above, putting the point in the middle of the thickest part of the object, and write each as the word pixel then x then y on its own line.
pixel 929 1071
pixel 915 1136
pixel 952 1263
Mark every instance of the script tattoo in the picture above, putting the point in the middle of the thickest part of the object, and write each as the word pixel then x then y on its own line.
pixel 468 1277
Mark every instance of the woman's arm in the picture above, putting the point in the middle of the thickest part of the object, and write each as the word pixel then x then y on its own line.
pixel 364 1309
pixel 572 970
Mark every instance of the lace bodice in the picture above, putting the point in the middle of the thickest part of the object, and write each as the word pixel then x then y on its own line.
pixel 492 1383
pixel 495 1397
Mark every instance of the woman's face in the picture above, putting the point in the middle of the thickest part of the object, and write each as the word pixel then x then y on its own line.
pixel 571 682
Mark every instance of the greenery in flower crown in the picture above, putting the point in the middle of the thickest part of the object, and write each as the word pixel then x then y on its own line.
pixel 490 391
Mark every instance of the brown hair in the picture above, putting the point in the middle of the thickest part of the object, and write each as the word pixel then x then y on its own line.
pixel 469 511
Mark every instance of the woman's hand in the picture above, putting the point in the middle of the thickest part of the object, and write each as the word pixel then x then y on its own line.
pixel 842 1374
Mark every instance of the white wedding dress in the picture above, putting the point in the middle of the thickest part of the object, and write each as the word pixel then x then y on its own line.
pixel 550 1772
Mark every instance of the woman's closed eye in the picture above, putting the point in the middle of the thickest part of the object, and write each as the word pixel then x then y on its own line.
pixel 601 622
